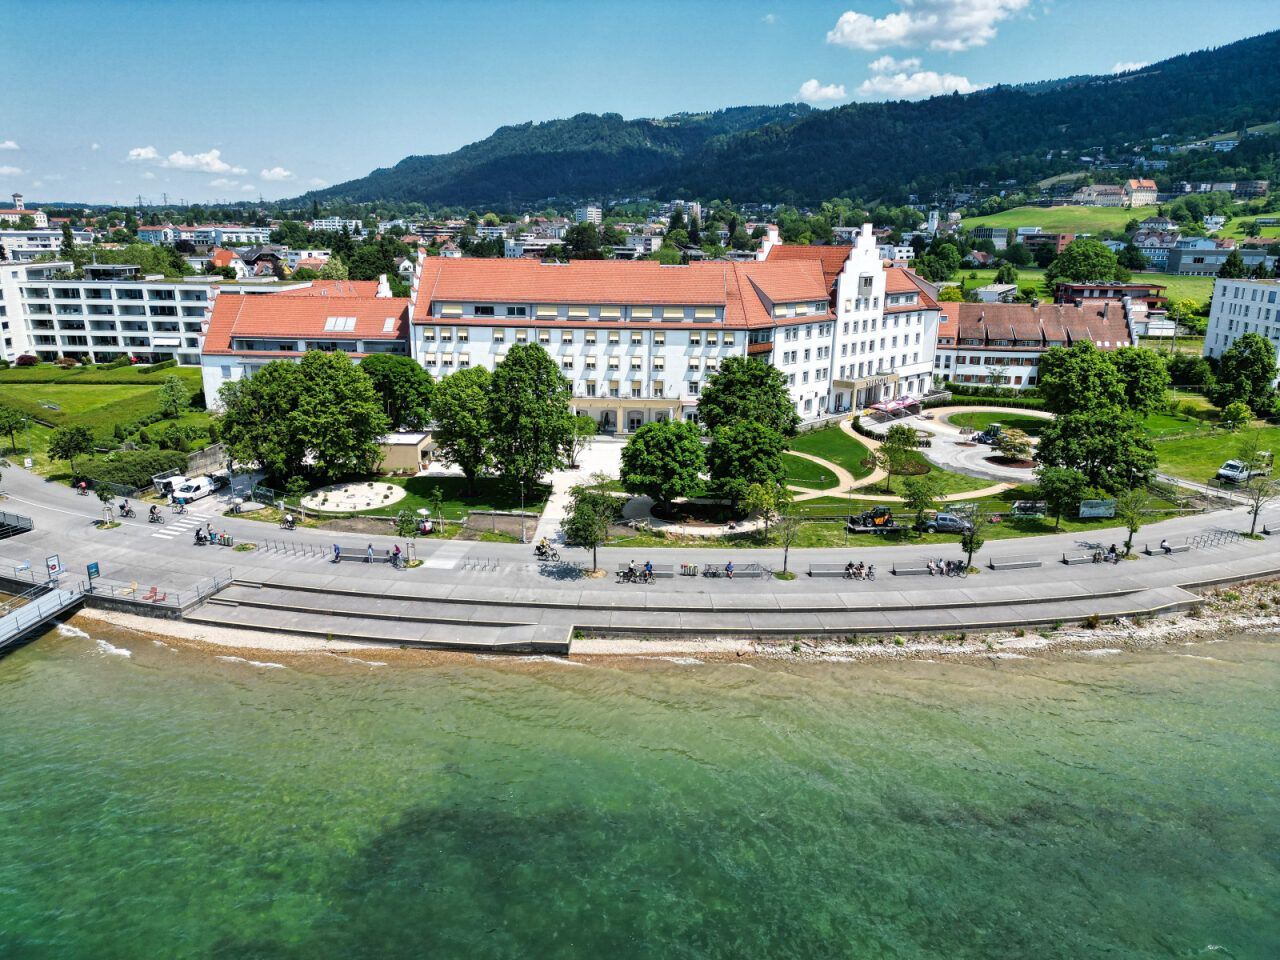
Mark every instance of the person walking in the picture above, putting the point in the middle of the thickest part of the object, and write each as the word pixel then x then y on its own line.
pixel 337 553
pixel 368 554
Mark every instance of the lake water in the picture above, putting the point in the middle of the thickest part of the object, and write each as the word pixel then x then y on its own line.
pixel 163 803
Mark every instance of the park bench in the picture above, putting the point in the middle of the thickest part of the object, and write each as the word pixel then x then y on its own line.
pixel 1013 563
pixel 664 571
pixel 1073 558
pixel 910 570
pixel 744 571
pixel 826 569
pixel 1173 548
pixel 357 555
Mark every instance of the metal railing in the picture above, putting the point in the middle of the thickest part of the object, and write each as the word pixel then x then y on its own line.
pixel 31 615
pixel 1215 538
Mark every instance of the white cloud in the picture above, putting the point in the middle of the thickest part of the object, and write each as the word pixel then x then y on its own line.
pixel 318 182
pixel 9 171
pixel 224 182
pixel 248 188
pixel 8 145
pixel 770 18
pixel 951 25
pixel 887 64
pixel 208 162
pixel 1124 66
pixel 914 86
pixel 277 173
pixel 811 91
pixel 148 175
pixel 37 183
pixel 95 146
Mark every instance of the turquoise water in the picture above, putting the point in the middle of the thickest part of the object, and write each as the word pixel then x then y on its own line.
pixel 168 804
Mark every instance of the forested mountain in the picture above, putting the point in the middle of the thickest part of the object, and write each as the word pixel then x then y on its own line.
pixel 869 150
pixel 584 156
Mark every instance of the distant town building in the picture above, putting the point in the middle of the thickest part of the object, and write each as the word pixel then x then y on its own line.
pixel 19 210
pixel 997 293
pixel 1202 257
pixel 1139 193
pixel 591 213
pixel 1099 195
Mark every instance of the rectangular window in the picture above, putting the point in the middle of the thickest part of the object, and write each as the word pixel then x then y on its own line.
pixel 517 311
pixel 429 333
pixel 693 388
pixel 566 363
pixel 639 313
pixel 695 339
pixel 499 336
pixel 579 313
pixel 464 335
pixel 727 339
pixel 614 336
pixel 610 313
pixel 589 336
pixel 637 338
pixel 547 313
pixel 451 310
pixel 673 313
pixel 659 363
pixel 705 313
pixel 635 363
pixel 522 336
pixel 589 363
pixel 712 339
pixel 613 363
pixel 544 336
pixel 484 311
pixel 659 338
pixel 566 336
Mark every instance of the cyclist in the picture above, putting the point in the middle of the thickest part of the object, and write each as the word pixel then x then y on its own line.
pixel 648 570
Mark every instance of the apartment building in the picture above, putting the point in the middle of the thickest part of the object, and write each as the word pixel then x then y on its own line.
pixel 1139 192
pixel 26 245
pixel 1203 257
pixel 591 213
pixel 247 332
pixel 1239 307
pixel 337 225
pixel 113 312
pixel 208 235
pixel 1001 344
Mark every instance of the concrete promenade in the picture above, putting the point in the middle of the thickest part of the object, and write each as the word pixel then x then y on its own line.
pixel 496 596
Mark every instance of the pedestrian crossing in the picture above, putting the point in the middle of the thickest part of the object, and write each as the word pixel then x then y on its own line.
pixel 184 524
pixel 447 557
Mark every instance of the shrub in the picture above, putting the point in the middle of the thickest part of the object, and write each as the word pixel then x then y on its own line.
pixel 68 362
pixel 28 360
pixel 970 400
pixel 133 468
pixel 1093 621
pixel 116 364
pixel 162 365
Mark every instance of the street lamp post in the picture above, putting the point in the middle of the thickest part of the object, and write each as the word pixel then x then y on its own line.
pixel 522 539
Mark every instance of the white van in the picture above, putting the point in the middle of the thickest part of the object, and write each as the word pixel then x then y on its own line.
pixel 193 489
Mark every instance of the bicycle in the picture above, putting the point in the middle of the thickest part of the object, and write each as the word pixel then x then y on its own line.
pixel 550 553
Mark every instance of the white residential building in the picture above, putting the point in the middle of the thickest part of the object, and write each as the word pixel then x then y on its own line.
pixel 591 213
pixel 28 244
pixel 336 225
pixel 292 257
pixel 1239 307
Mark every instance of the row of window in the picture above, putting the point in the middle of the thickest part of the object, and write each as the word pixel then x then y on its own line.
pixel 580 312
pixel 697 338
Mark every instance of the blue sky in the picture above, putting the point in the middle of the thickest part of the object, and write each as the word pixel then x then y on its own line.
pixel 108 99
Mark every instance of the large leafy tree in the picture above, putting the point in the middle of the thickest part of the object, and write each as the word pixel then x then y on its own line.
pixel 1108 445
pixel 591 510
pixel 460 409
pixel 404 388
pixel 173 395
pixel 747 389
pixel 339 415
pixel 1144 378
pixel 1079 377
pixel 663 461
pixel 742 454
pixel 1085 261
pixel 1062 489
pixel 1246 371
pixel 10 423
pixel 70 443
pixel 530 416
pixel 256 422
pixel 894 454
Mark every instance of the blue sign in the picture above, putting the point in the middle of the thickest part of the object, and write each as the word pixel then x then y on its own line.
pixel 93 570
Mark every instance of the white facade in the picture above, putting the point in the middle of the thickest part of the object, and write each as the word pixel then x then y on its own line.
pixel 19 210
pixel 589 214
pixel 336 224
pixel 898 251
pixel 104 319
pixel 293 256
pixel 884 337
pixel 29 244
pixel 1239 307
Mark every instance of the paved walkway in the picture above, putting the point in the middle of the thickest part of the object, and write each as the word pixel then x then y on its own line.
pixel 602 454
pixel 491 588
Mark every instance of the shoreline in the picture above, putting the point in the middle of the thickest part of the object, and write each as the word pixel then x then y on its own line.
pixel 1251 607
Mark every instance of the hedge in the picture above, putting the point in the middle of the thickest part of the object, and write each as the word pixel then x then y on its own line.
pixel 978 390
pixel 162 365
pixel 878 435
pixel 133 468
pixel 1017 403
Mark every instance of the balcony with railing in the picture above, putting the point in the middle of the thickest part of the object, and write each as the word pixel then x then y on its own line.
pixel 70 324
pixel 66 293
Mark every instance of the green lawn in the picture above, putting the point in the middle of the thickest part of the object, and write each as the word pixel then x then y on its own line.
pixel 1199 289
pixel 493 493
pixel 52 373
pixel 805 473
pixel 948 482
pixel 1198 457
pixel 833 444
pixel 980 420
pixel 1064 219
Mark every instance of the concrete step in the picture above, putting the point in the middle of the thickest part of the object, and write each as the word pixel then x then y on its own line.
pixel 477 638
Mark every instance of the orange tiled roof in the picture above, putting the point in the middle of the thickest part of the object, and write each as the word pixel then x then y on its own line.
pixel 223 258
pixel 740 288
pixel 832 258
pixel 301 314
pixel 336 288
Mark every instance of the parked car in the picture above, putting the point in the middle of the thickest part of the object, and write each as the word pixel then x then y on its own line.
pixel 193 489
pixel 947 523
pixel 220 480
pixel 1237 471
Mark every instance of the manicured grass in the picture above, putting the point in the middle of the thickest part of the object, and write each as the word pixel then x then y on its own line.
pixel 1066 219
pixel 52 373
pixel 1165 425
pixel 1199 289
pixel 96 406
pixel 1198 457
pixel 1027 277
pixel 980 420
pixel 832 443
pixel 805 473
pixel 493 493
pixel 948 482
